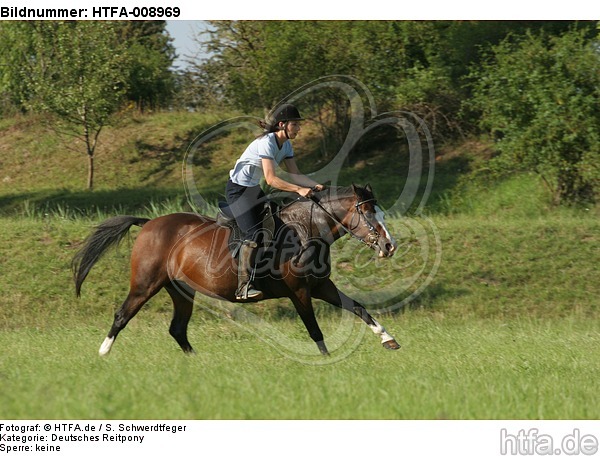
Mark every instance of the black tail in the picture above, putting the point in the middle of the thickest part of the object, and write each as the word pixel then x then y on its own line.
pixel 106 234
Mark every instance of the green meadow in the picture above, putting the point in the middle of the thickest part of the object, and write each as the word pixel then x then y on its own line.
pixel 505 327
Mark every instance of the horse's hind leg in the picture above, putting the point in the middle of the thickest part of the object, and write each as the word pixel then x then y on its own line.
pixel 328 292
pixel 130 307
pixel 183 302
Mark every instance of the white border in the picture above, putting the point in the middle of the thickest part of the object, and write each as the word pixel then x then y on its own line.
pixel 302 438
pixel 345 10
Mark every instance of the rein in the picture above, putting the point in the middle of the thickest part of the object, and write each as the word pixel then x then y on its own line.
pixel 370 239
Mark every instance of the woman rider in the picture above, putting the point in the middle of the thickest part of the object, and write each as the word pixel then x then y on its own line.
pixel 243 191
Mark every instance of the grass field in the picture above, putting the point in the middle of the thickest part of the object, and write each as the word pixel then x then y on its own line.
pixel 447 369
pixel 506 327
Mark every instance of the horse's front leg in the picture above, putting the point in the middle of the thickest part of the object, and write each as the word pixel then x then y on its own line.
pixel 303 304
pixel 328 292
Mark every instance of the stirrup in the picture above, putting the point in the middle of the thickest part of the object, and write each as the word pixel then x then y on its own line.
pixel 248 293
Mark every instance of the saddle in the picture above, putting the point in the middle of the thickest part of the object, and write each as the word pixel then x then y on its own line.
pixel 226 219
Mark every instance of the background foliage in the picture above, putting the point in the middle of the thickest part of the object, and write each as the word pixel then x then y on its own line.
pixel 531 88
pixel 539 96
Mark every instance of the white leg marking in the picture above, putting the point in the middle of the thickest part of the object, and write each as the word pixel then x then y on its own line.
pixel 106 345
pixel 380 331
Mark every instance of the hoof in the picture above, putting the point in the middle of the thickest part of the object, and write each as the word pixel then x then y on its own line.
pixel 323 348
pixel 391 344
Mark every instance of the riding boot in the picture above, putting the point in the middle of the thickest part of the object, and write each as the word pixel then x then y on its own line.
pixel 246 291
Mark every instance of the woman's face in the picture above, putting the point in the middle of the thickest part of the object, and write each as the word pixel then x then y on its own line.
pixel 293 128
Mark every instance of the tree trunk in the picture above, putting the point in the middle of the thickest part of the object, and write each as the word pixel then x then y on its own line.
pixel 90 183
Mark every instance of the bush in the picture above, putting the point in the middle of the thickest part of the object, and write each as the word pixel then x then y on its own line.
pixel 539 97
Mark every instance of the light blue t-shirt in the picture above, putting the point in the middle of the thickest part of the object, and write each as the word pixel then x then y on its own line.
pixel 248 169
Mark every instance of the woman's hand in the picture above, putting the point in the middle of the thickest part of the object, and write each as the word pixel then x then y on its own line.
pixel 308 192
pixel 305 192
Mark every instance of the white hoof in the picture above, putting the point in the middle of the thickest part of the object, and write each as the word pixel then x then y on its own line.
pixel 106 345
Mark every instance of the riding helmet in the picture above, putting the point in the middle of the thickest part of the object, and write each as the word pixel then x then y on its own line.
pixel 283 113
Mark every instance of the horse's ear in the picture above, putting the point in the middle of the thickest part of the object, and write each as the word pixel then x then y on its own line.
pixel 369 189
pixel 355 189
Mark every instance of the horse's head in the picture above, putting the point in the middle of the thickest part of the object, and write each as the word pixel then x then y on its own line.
pixel 365 220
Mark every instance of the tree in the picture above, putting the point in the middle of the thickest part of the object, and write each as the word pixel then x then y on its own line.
pixel 416 66
pixel 74 71
pixel 15 46
pixel 151 82
pixel 539 97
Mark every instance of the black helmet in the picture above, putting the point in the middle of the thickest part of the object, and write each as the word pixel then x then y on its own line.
pixel 283 113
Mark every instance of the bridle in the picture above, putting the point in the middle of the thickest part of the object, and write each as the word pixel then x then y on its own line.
pixel 373 236
pixel 371 239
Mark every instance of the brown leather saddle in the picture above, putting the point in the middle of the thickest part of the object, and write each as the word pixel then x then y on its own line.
pixel 226 219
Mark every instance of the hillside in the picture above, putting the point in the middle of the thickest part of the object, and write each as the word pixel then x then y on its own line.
pixel 136 161
pixel 141 159
pixel 139 163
